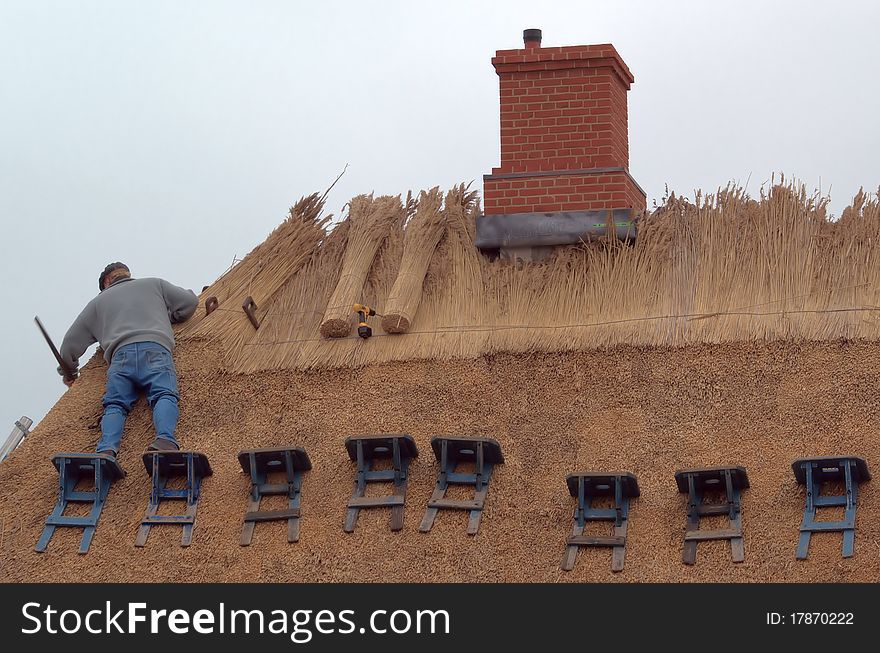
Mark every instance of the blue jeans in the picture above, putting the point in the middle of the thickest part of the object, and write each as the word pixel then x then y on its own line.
pixel 139 367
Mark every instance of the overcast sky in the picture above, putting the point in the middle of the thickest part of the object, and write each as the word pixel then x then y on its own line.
pixel 174 135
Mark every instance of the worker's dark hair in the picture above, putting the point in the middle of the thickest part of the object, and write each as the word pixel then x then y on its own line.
pixel 108 270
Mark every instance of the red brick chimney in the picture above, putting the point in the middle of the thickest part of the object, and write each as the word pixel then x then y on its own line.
pixel 564 142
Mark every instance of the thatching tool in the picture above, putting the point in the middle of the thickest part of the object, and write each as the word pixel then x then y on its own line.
pixel 69 374
pixel 250 309
pixel 363 311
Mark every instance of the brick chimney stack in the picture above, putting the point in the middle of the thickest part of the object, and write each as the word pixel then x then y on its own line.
pixel 564 141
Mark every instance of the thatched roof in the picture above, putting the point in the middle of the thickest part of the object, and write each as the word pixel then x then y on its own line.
pixel 734 332
pixel 723 269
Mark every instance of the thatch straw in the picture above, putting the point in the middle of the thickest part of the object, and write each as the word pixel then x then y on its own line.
pixel 647 410
pixel 371 221
pixel 718 268
pixel 422 234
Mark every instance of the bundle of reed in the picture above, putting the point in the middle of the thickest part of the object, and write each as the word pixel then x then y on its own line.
pixel 371 221
pixel 261 273
pixel 456 318
pixel 386 264
pixel 422 234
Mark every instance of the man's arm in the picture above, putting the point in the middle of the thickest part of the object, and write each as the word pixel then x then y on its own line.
pixel 77 339
pixel 181 303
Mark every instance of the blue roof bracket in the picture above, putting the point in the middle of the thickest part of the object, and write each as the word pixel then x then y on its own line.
pixel 697 482
pixel 258 464
pixel 365 450
pixel 812 473
pixel 72 467
pixel 450 451
pixel 162 466
pixel 586 487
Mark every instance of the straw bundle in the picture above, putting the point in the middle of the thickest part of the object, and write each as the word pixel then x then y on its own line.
pixel 386 265
pixel 422 234
pixel 371 220
pixel 455 298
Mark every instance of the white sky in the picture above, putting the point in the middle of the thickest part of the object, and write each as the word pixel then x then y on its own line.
pixel 174 135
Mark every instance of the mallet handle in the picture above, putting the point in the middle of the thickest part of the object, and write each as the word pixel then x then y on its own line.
pixel 68 373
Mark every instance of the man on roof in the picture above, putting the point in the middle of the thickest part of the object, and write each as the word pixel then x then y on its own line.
pixel 131 319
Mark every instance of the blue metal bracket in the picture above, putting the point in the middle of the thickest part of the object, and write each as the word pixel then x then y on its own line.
pixel 71 468
pixel 259 463
pixel 364 450
pixel 585 486
pixel 161 466
pixel 696 483
pixel 450 451
pixel 812 473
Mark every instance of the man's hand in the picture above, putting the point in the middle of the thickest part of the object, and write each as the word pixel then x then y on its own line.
pixel 67 376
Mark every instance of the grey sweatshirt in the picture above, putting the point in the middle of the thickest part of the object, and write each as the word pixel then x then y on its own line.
pixel 127 311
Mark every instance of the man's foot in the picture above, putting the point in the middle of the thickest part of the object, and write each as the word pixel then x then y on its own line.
pixel 163 444
pixel 107 452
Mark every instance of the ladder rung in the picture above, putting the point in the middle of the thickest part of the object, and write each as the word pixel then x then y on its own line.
pixel 588 540
pixel 173 494
pixel 600 514
pixel 829 501
pixel 71 521
pixel 720 534
pixel 455 505
pixel 461 478
pixel 381 475
pixel 372 502
pixel 273 488
pixel 169 519
pixel 82 497
pixel 818 526
pixel 713 509
pixel 271 515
